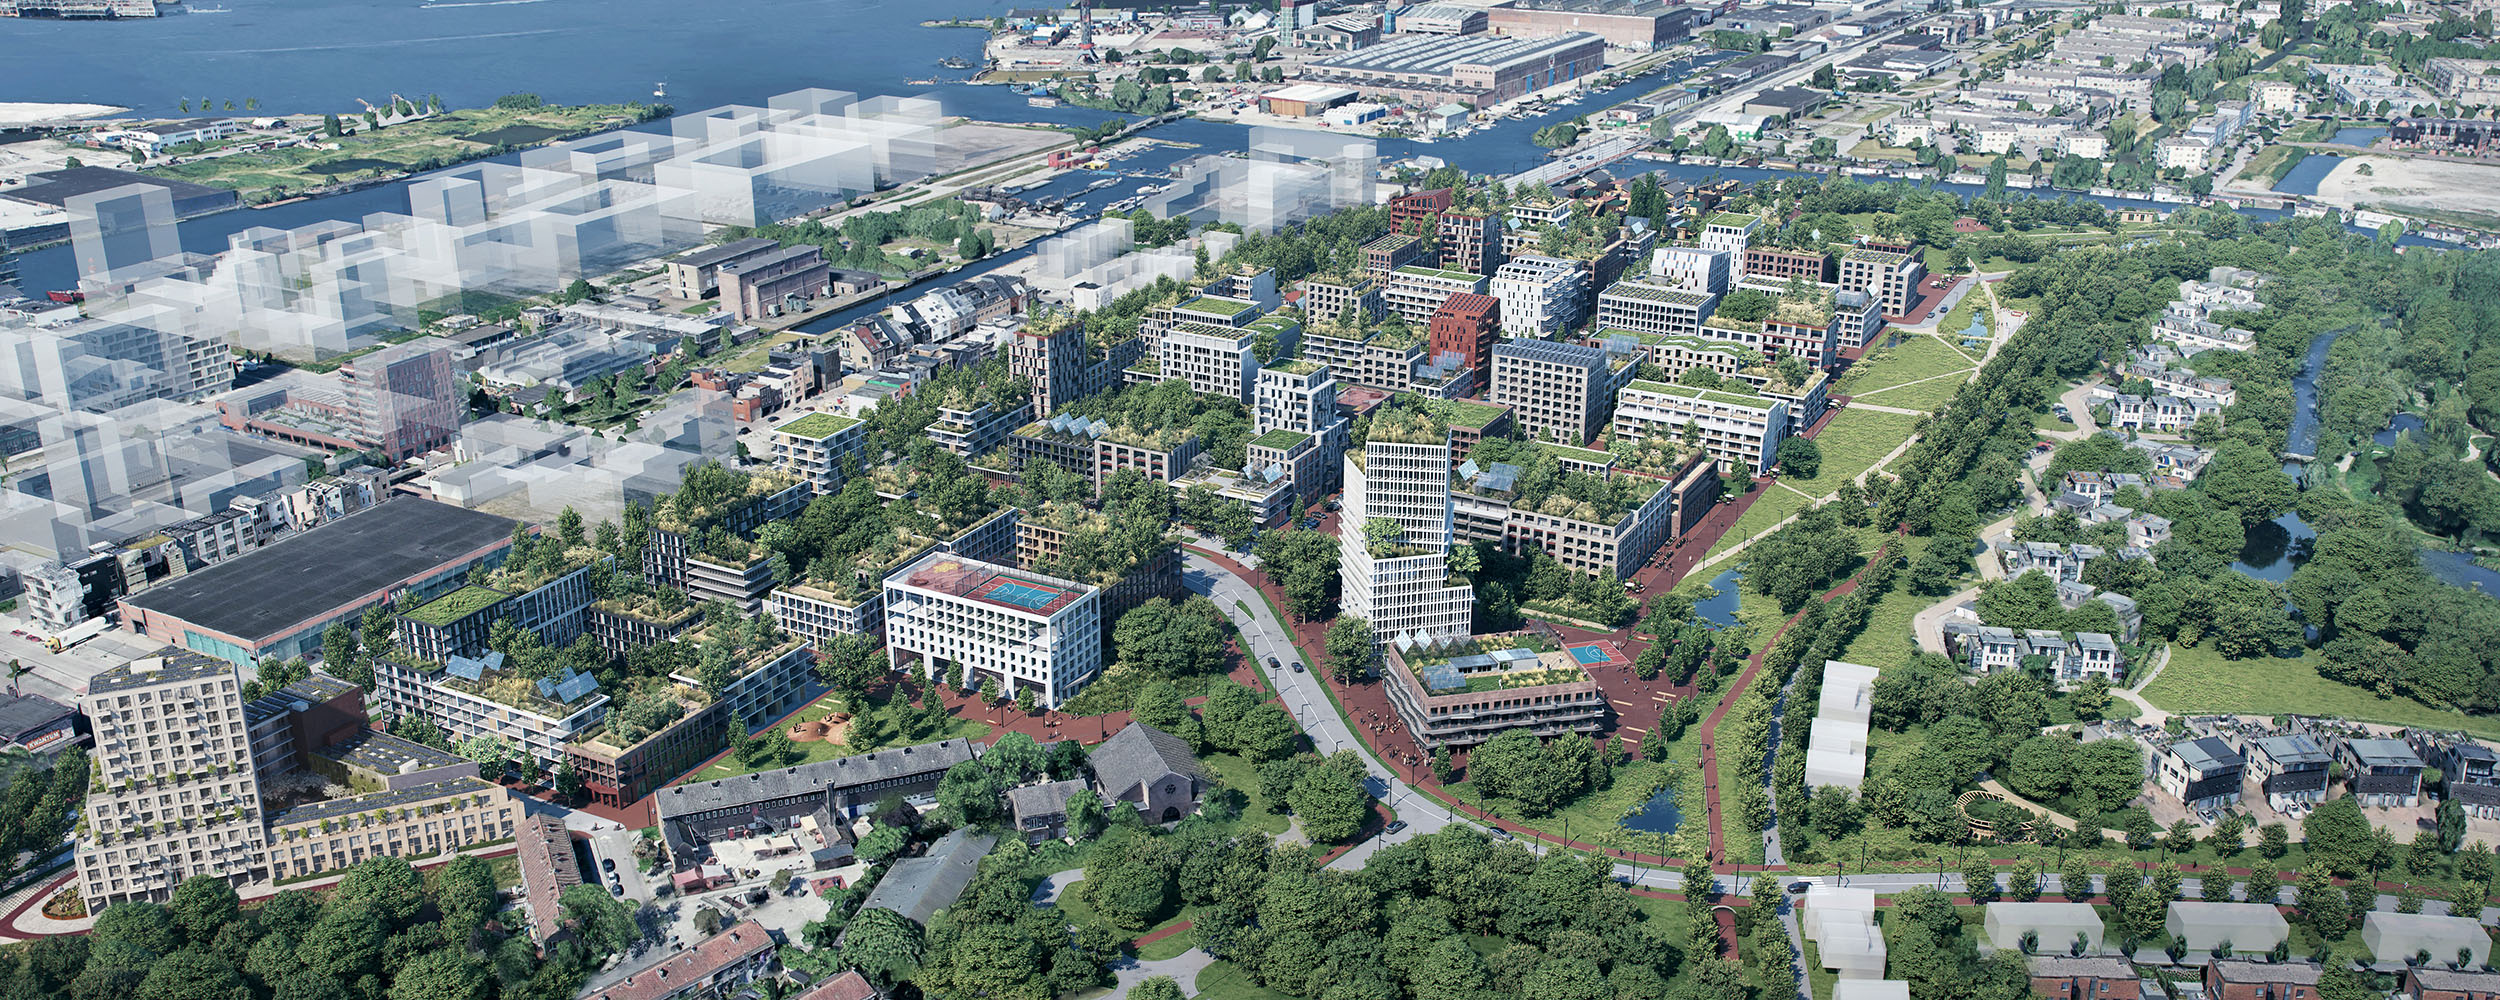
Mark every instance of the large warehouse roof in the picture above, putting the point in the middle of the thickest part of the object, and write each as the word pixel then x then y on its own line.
pixel 1439 54
pixel 266 593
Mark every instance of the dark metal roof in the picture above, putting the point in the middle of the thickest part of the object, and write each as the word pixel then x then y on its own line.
pixel 265 593
pixel 808 779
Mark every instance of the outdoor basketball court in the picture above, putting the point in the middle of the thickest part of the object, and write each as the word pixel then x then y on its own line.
pixel 1032 596
pixel 1596 655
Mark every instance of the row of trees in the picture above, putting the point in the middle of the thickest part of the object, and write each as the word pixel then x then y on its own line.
pixel 385 932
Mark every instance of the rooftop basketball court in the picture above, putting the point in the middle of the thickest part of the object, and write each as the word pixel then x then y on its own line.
pixel 991 585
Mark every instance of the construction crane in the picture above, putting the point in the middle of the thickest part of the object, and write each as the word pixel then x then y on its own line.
pixel 1085 31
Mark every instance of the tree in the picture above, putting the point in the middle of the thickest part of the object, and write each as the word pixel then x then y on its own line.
pixel 193 974
pixel 2322 906
pixel 1330 799
pixel 1349 646
pixel 201 905
pixel 883 945
pixel 2339 837
pixel 2273 840
pixel 1157 988
pixel 968 794
pixel 604 923
pixel 448 974
pixel 390 885
pixel 2023 882
pixel 1800 457
pixel 1834 812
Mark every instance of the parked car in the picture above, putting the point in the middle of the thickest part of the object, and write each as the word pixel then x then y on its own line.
pixel 607 864
pixel 1395 826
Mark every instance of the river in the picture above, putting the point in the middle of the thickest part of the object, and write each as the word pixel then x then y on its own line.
pixel 2274 549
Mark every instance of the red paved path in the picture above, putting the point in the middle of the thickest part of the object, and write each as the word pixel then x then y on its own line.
pixel 1753 665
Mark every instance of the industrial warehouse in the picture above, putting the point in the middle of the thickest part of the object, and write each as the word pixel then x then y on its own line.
pixel 1481 70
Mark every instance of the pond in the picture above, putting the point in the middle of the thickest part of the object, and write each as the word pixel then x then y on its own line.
pixel 1719 610
pixel 1658 815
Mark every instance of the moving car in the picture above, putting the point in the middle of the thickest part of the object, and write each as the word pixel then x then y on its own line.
pixel 1395 826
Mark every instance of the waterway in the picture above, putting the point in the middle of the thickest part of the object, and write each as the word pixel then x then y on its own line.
pixel 2276 548
pixel 324 55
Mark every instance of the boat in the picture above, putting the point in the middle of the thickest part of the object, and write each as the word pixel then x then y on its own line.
pixel 67 297
pixel 955 62
pixel 1041 102
pixel 1101 184
pixel 660 89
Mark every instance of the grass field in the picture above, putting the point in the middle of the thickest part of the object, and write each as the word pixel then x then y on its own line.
pixel 1238 774
pixel 1226 981
pixel 1594 817
pixel 1775 505
pixel 1854 441
pixel 2201 680
pixel 446 138
pixel 1915 359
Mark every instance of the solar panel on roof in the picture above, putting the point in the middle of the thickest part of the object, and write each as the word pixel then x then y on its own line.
pixel 546 687
pixel 575 688
pixel 472 668
pixel 1274 472
pixel 1099 429
pixel 1469 469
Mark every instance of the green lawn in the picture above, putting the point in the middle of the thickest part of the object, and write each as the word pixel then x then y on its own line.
pixel 1594 817
pixel 1170 947
pixel 1888 639
pixel 1226 981
pixel 1854 441
pixel 1885 370
pixel 1236 773
pixel 2200 680
pixel 1774 506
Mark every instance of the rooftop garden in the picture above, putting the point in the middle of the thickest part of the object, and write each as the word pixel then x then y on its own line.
pixel 635 598
pixel 1217 305
pixel 1280 439
pixel 641 710
pixel 1546 487
pixel 1396 424
pixel 507 686
pixel 1159 415
pixel 818 426
pixel 1420 270
pixel 1098 549
pixel 442 611
pixel 1532 673
pixel 1810 308
pixel 712 494
pixel 536 561
pixel 1733 219
pixel 1295 366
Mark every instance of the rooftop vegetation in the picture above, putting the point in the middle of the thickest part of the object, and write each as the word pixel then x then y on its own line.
pixel 454 606
pixel 818 426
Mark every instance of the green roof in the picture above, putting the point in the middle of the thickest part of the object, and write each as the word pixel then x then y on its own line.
pixel 1582 454
pixel 458 604
pixel 1733 219
pixel 1295 366
pixel 1436 272
pixel 1279 439
pixel 818 426
pixel 1466 413
pixel 1215 305
pixel 1744 397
